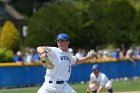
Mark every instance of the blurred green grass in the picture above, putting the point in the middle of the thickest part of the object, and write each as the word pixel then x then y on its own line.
pixel 131 85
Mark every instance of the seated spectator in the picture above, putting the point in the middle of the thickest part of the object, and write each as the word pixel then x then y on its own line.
pixel 100 54
pixel 106 54
pixel 18 57
pixel 32 56
pixel 116 54
pixel 36 57
pixel 80 53
pixel 94 54
pixel 137 53
pixel 122 53
pixel 130 55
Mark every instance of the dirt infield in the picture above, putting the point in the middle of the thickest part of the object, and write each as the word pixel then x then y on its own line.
pixel 129 92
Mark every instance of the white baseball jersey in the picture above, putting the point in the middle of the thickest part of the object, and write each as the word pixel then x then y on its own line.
pixel 62 64
pixel 101 80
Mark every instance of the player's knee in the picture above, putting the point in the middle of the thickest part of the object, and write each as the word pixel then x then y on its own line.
pixel 108 85
pixel 73 91
pixel 38 91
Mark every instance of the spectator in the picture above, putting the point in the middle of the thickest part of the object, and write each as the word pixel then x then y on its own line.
pixel 32 56
pixel 106 55
pixel 116 54
pixel 137 53
pixel 94 54
pixel 100 54
pixel 122 53
pixel 18 57
pixel 28 58
pixel 80 53
pixel 130 55
pixel 36 57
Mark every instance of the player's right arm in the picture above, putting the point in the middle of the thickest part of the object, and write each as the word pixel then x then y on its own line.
pixel 43 51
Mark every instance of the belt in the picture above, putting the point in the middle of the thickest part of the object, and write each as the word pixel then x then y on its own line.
pixel 57 82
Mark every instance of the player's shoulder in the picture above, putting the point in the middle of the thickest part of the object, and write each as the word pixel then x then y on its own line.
pixel 53 48
pixel 102 75
pixel 92 75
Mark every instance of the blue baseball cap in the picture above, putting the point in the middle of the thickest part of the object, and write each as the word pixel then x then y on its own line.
pixel 62 36
pixel 95 67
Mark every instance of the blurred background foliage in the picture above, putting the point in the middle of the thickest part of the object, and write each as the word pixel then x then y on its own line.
pixel 9 41
pixel 91 24
pixel 6 55
pixel 10 36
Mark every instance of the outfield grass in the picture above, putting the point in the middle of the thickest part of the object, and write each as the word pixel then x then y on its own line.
pixel 131 85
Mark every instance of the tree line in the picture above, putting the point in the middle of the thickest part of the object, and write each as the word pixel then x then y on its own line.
pixel 89 23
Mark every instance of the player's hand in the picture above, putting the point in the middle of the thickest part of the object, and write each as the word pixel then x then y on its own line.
pixel 87 90
pixel 91 53
pixel 45 61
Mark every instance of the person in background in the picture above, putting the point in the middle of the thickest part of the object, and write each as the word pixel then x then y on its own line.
pixel 100 54
pixel 98 81
pixel 80 53
pixel 116 54
pixel 32 56
pixel 18 57
pixel 130 55
pixel 137 53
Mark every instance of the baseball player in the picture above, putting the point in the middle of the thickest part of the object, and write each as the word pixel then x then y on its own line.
pixel 98 81
pixel 58 61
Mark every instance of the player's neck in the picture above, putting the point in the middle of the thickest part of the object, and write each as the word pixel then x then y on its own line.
pixel 64 49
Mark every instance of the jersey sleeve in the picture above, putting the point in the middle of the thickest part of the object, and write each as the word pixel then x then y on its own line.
pixel 50 50
pixel 91 77
pixel 74 59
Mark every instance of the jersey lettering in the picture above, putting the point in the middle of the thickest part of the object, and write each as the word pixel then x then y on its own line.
pixel 69 68
pixel 65 58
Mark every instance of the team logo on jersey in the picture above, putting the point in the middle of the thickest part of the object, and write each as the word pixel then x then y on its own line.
pixel 65 58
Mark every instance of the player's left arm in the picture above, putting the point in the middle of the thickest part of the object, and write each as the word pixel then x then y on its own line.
pixel 83 59
pixel 89 56
pixel 102 84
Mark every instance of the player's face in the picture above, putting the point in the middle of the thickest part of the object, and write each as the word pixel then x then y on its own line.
pixel 63 44
pixel 95 71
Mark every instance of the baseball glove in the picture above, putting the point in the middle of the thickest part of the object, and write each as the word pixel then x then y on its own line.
pixel 45 61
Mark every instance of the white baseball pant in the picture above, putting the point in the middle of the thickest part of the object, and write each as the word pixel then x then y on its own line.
pixel 56 88
pixel 94 87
